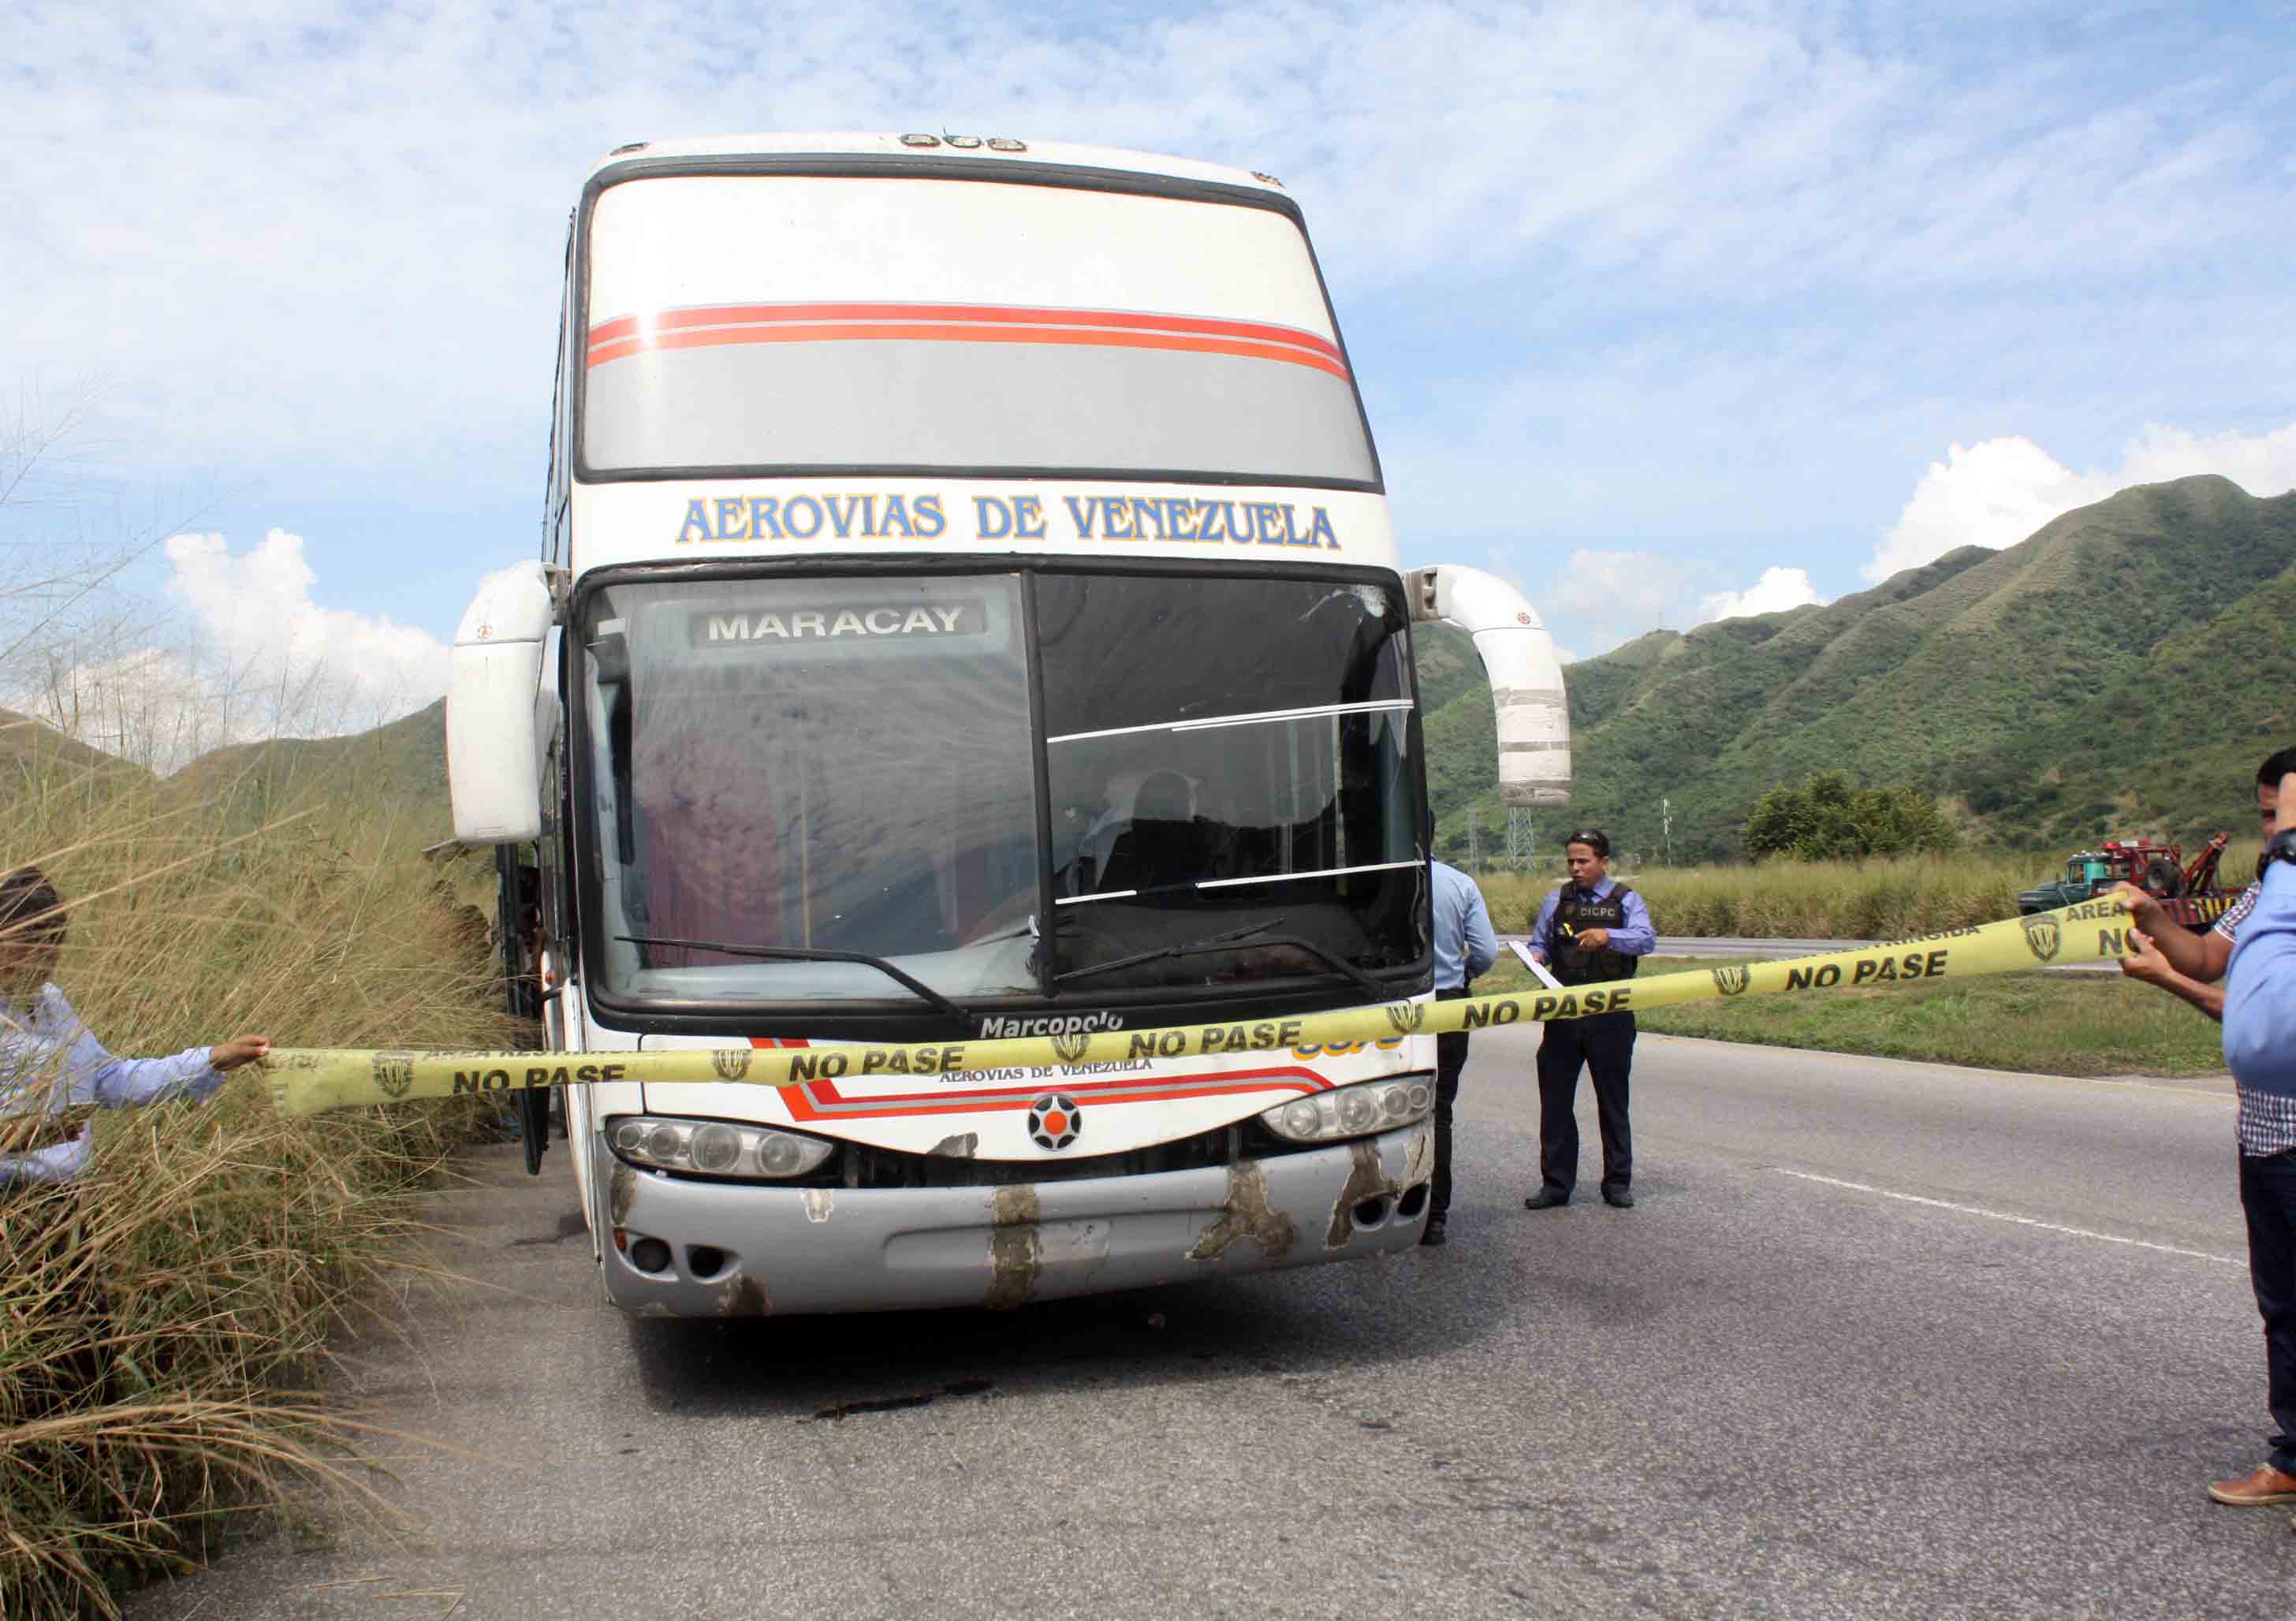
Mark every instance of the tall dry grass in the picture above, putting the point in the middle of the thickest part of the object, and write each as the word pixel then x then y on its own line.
pixel 1880 898
pixel 159 1318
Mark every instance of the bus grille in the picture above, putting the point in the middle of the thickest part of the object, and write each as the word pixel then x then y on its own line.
pixel 860 1165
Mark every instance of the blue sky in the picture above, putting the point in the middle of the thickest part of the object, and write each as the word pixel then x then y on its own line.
pixel 1661 310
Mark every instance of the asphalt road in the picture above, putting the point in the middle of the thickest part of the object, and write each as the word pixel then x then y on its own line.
pixel 1881 1338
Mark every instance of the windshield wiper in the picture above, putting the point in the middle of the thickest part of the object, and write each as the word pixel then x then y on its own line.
pixel 806 954
pixel 1216 942
pixel 1235 940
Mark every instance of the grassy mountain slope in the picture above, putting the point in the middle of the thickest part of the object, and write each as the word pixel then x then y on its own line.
pixel 2172 745
pixel 2013 678
pixel 401 766
pixel 32 751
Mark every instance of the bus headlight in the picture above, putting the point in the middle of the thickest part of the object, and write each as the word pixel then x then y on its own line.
pixel 714 1147
pixel 1353 1111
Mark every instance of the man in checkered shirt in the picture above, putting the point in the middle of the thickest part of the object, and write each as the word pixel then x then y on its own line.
pixel 2193 966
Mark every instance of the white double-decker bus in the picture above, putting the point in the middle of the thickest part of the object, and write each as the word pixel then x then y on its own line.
pixel 967 607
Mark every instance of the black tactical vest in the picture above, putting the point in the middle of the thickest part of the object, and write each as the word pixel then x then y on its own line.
pixel 1574 915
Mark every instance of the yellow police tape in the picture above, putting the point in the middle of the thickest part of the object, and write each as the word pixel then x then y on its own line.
pixel 308 1080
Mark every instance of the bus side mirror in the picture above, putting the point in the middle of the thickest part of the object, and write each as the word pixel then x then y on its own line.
pixel 1534 713
pixel 494 739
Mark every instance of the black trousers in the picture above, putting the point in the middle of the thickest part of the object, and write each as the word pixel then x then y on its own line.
pixel 1450 1060
pixel 2267 1195
pixel 1605 1044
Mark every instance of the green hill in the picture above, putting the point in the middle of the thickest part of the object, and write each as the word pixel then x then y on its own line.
pixel 33 751
pixel 401 766
pixel 2077 682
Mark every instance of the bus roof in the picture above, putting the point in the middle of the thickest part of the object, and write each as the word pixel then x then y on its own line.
pixel 940 149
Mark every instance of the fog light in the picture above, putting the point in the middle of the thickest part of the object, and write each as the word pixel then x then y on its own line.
pixel 650 1255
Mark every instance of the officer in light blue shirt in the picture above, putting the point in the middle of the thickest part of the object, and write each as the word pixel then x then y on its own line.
pixel 52 1071
pixel 2259 1049
pixel 1464 946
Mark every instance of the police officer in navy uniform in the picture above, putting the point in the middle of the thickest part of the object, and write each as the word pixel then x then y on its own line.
pixel 1592 931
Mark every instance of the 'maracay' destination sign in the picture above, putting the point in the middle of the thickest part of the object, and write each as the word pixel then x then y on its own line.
pixel 858 622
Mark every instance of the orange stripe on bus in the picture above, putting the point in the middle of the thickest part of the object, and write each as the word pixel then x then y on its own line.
pixel 755 314
pixel 840 333
pixel 804 1104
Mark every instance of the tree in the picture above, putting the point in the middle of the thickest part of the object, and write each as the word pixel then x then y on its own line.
pixel 1826 818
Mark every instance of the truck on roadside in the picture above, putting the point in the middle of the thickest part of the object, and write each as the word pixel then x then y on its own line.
pixel 2189 893
pixel 967 607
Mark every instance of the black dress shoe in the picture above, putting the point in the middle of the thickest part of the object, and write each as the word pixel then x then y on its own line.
pixel 1619 1198
pixel 1545 1199
pixel 1436 1231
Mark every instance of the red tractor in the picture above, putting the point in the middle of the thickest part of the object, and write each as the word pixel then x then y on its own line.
pixel 2188 892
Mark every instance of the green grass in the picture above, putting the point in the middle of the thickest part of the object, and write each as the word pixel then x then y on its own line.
pixel 2042 1023
pixel 1880 898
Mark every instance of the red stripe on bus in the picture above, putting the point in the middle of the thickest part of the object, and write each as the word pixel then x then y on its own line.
pixel 1004 315
pixel 983 333
pixel 805 1101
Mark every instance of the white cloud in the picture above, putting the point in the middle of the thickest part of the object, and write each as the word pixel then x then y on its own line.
pixel 1615 272
pixel 1602 597
pixel 1776 591
pixel 1997 493
pixel 244 210
pixel 312 668
pixel 146 704
pixel 253 657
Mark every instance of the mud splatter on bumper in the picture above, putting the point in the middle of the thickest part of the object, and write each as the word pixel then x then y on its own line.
pixel 742 1251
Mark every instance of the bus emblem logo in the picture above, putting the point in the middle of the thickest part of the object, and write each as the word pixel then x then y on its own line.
pixel 1406 1016
pixel 731 1063
pixel 1053 1121
pixel 1071 1047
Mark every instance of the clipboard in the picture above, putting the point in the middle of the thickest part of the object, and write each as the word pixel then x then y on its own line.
pixel 1539 970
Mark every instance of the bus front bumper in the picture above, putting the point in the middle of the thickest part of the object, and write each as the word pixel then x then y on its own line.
pixel 741 1249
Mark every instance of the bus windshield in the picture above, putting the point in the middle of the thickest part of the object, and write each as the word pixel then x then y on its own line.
pixel 850 765
pixel 790 321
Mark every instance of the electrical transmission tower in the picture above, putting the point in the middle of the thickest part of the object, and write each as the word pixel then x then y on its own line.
pixel 1520 850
